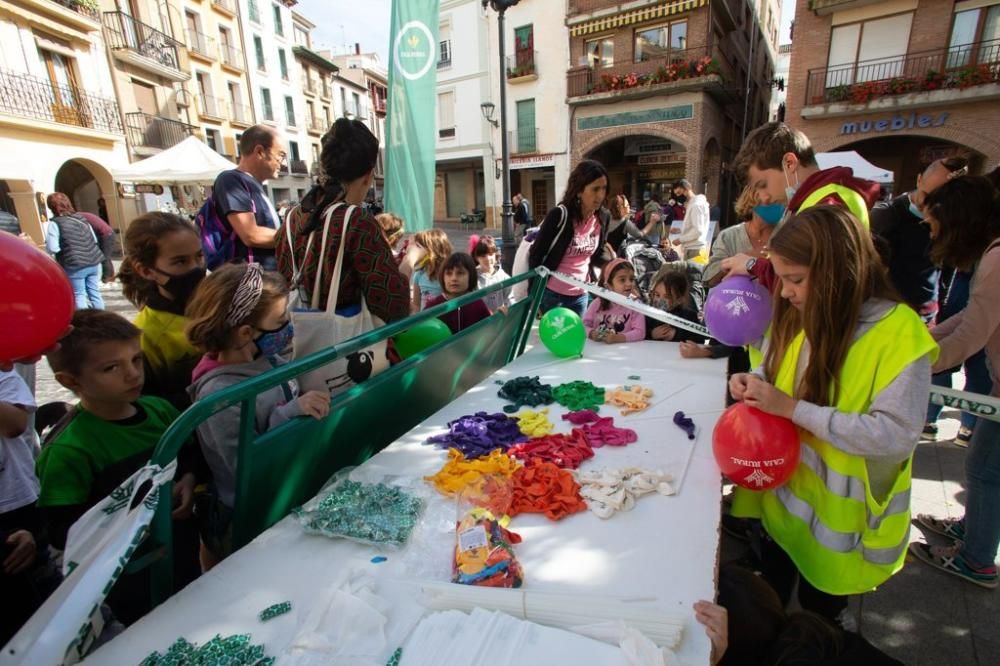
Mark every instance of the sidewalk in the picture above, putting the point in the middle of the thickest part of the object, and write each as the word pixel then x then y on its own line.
pixel 921 616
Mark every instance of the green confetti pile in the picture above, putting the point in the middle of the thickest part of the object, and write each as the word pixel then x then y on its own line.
pixel 274 611
pixel 234 650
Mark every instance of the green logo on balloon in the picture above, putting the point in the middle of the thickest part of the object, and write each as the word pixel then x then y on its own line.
pixel 562 332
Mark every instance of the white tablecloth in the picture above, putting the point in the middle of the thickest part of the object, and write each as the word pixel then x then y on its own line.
pixel 663 553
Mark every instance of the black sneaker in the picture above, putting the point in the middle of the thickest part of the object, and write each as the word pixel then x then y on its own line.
pixel 930 431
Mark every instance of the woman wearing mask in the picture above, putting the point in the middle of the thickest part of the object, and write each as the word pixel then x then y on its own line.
pixel 749 237
pixel 573 237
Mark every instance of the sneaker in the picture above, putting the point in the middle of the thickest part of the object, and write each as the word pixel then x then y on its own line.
pixel 964 437
pixel 953 529
pixel 948 560
pixel 930 431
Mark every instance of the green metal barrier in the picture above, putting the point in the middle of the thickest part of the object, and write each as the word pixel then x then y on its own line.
pixel 281 469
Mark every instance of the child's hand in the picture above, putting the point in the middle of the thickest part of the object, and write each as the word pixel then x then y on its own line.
pixel 315 404
pixel 738 385
pixel 502 310
pixel 664 332
pixel 691 349
pixel 767 398
pixel 183 494
pixel 22 552
pixel 715 619
pixel 614 338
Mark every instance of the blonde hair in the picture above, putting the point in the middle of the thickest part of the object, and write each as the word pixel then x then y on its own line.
pixel 438 249
pixel 745 203
pixel 208 311
pixel 392 227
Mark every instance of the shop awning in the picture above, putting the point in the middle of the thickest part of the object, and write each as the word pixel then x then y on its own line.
pixel 190 161
pixel 635 16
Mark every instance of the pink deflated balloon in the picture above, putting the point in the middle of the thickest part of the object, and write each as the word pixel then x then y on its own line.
pixel 37 300
pixel 738 311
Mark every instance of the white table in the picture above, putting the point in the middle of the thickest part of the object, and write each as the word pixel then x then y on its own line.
pixel 665 548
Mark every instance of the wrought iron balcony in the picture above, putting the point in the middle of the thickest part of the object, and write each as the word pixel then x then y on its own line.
pixel 201 44
pixel 211 106
pixel 523 140
pixel 143 45
pixel 230 56
pixel 149 131
pixel 300 168
pixel 240 113
pixel 38 98
pixel 628 77
pixel 957 67
pixel 521 65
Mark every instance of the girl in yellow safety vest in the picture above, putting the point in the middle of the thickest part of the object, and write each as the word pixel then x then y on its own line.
pixel 849 365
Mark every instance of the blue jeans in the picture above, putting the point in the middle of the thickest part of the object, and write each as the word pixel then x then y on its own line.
pixel 977 380
pixel 982 505
pixel 87 287
pixel 551 299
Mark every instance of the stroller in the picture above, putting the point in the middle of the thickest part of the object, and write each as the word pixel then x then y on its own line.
pixel 647 260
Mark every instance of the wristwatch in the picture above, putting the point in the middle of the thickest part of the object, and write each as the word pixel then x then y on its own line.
pixel 751 262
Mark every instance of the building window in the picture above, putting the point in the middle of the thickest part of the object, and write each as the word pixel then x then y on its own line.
pixel 236 109
pixel 283 64
pixel 315 152
pixel 279 28
pixel 524 50
pixel 868 51
pixel 525 142
pixel 657 42
pixel 444 54
pixel 326 116
pixel 446 115
pixel 293 151
pixel 254 12
pixel 290 111
pixel 214 140
pixel 265 103
pixel 343 101
pixel 301 36
pixel 599 53
pixel 356 99
pixel 258 49
pixel 974 35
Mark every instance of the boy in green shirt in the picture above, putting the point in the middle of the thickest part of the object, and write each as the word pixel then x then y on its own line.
pixel 110 435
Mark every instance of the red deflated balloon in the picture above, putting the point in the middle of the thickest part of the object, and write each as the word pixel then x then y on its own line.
pixel 754 449
pixel 36 303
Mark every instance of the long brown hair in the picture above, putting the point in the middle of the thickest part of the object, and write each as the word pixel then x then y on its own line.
pixel 844 272
pixel 142 246
pixel 438 249
pixel 208 330
pixel 968 214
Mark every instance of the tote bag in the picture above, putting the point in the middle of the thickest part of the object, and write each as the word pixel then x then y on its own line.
pixel 318 329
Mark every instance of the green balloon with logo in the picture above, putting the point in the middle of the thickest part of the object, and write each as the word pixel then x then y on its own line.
pixel 562 332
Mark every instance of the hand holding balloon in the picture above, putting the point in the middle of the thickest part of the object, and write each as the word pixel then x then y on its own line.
pixel 735 265
pixel 767 398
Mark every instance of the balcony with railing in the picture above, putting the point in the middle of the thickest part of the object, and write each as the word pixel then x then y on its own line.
pixel 231 56
pixel 201 45
pixel 675 71
pixel 299 168
pixel 142 45
pixel 380 105
pixel 523 141
pixel 521 66
pixel 226 6
pixel 309 85
pixel 315 126
pixel 37 98
pixel 148 131
pixel 967 72
pixel 211 107
pixel 239 114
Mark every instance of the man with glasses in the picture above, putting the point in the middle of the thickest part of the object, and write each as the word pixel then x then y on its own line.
pixel 242 201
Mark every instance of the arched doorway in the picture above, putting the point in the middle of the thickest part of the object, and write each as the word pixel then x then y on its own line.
pixel 84 182
pixel 641 165
pixel 906 156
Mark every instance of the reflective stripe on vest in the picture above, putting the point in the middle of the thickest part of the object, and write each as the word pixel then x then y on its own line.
pixel 855 203
pixel 840 537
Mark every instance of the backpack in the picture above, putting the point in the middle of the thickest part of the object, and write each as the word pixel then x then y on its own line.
pixel 218 239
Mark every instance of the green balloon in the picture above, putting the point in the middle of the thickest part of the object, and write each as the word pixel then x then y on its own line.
pixel 562 332
pixel 422 336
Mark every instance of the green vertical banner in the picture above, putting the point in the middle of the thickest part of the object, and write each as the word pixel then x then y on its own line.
pixel 413 55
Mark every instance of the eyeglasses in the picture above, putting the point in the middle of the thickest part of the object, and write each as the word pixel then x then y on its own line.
pixel 281 158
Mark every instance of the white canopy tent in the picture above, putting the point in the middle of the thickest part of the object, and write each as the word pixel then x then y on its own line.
pixel 862 168
pixel 189 162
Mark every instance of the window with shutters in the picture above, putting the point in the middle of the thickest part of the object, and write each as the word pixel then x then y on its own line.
pixel 446 115
pixel 258 49
pixel 283 64
pixel 868 51
pixel 265 103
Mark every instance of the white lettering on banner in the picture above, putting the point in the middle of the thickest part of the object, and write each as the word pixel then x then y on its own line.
pixel 416 54
pixel 985 406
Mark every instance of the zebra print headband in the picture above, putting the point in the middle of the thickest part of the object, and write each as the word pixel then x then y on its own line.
pixel 247 295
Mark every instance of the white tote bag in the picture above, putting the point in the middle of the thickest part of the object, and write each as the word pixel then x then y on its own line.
pixel 316 329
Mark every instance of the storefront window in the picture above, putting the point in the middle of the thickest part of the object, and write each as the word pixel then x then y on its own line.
pixel 972 31
pixel 656 43
pixel 600 53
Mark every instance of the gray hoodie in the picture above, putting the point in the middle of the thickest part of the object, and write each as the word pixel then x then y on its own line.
pixel 220 433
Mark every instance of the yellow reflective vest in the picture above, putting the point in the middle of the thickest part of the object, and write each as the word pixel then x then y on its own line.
pixel 841 538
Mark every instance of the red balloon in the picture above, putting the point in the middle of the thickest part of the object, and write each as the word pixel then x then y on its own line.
pixel 754 449
pixel 37 301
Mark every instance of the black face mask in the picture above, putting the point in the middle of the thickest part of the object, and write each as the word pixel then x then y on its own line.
pixel 680 198
pixel 180 287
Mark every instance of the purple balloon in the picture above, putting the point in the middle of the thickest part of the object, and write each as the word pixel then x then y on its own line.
pixel 738 311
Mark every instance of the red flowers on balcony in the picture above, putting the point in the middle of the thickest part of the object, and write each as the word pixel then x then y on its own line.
pixel 674 71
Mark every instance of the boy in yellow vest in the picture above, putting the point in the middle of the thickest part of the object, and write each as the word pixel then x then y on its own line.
pixel 778 163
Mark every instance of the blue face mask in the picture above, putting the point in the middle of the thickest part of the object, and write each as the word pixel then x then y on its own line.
pixel 770 213
pixel 272 343
pixel 916 211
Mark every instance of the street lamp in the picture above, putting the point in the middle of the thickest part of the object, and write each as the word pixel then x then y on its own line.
pixel 507 228
pixel 487 108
